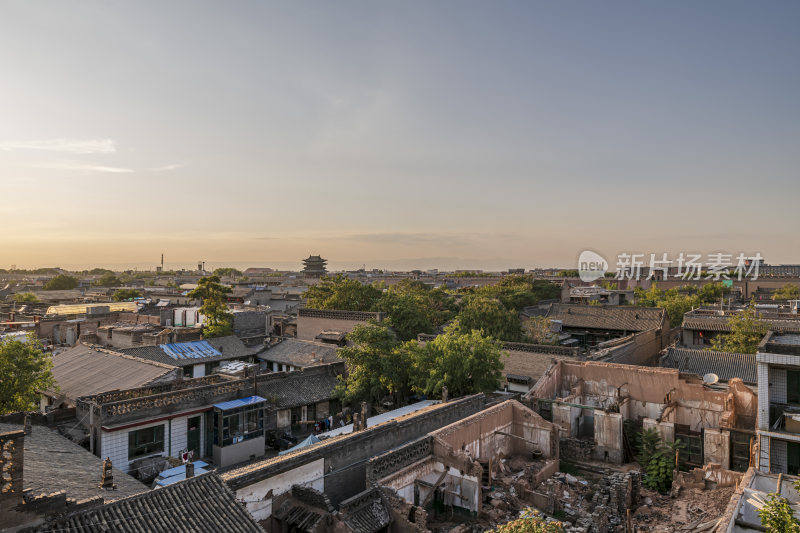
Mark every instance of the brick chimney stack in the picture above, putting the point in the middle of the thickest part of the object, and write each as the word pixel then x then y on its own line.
pixel 189 470
pixel 107 477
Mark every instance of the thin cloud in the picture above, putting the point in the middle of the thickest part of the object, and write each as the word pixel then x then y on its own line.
pixel 89 168
pixel 167 168
pixel 427 238
pixel 401 238
pixel 72 146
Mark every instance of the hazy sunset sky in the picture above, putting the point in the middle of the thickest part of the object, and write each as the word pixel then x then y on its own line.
pixel 396 134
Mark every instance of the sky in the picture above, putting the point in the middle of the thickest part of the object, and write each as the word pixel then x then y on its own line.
pixel 449 134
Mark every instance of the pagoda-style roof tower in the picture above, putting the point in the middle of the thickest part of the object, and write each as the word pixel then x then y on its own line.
pixel 314 266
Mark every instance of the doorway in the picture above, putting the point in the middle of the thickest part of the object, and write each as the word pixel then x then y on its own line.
pixel 193 436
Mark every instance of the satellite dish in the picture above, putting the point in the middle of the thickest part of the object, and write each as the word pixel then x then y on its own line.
pixel 710 378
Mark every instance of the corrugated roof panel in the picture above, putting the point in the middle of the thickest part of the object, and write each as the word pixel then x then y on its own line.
pixel 189 350
pixel 81 309
pixel 242 402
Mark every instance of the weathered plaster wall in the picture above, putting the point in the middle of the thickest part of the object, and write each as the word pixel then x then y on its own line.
pixel 716 447
pixel 258 497
pixel 608 437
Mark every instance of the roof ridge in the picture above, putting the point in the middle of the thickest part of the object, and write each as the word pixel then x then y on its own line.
pixel 99 348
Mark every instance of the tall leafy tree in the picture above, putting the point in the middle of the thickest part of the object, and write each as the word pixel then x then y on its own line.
pixel 339 292
pixel 218 319
pixel 227 272
pixel 25 369
pixel 747 331
pixel 537 330
pixel 25 297
pixel 787 292
pixel 491 317
pixel 465 363
pixel 122 295
pixel 108 279
pixel 376 363
pixel 414 308
pixel 61 282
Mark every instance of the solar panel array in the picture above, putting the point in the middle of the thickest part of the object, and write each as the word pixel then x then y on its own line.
pixel 190 350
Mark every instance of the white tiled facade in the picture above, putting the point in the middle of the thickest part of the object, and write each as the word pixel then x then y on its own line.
pixel 772 456
pixel 114 444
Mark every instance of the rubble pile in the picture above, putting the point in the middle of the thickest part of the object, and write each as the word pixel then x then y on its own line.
pixel 609 503
pixel 691 510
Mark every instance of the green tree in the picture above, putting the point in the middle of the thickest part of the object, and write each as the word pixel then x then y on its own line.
pixel 61 282
pixel 25 297
pixel 568 273
pixel 530 521
pixel 537 331
pixel 778 516
pixel 518 291
pixel 109 279
pixel 25 370
pixel 218 319
pixel 787 292
pixel 414 308
pixel 747 331
pixel 123 295
pixel 376 363
pixel 677 301
pixel 466 363
pixel 490 316
pixel 339 292
pixel 658 459
pixel 227 272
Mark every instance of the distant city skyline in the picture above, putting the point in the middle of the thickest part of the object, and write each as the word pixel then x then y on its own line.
pixel 405 135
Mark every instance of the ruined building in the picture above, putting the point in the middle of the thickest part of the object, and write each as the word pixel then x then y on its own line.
pixel 599 405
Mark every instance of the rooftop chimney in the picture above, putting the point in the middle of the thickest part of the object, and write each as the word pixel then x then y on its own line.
pixel 27 424
pixel 189 470
pixel 107 477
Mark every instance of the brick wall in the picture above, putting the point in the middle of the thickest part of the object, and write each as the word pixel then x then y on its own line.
pixel 311 322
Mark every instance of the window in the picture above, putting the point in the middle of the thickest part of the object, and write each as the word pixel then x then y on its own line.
pixel 701 338
pixel 240 426
pixel 146 441
pixel 188 371
pixel 793 387
pixel 251 421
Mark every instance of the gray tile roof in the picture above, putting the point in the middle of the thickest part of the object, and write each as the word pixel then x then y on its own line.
pixel 298 352
pixel 201 503
pixel 87 370
pixel 231 347
pixel 726 365
pixel 720 323
pixel 608 317
pixel 309 386
pixel 52 463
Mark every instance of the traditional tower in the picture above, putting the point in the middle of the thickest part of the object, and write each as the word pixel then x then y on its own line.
pixel 314 266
